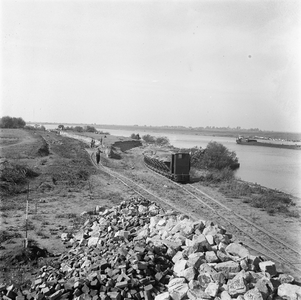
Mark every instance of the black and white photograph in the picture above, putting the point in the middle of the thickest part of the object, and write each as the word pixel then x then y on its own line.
pixel 150 150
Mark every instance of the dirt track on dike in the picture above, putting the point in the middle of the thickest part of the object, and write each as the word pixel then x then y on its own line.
pixel 70 184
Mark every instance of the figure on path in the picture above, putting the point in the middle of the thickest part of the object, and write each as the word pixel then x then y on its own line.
pixel 98 156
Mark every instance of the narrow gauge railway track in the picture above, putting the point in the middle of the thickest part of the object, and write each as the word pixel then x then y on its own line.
pixel 275 247
pixel 257 238
pixel 132 186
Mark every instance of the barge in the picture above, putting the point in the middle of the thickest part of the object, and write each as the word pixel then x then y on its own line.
pixel 254 142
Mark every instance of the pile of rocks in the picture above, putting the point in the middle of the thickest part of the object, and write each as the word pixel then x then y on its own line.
pixel 137 251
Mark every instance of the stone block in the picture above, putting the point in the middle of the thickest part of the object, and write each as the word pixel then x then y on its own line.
pixel 289 291
pixel 286 278
pixel 197 294
pixel 163 296
pixel 180 266
pixel 210 239
pixel 55 295
pixel 204 279
pixel 228 267
pixel 236 286
pixel 225 296
pixel 268 267
pixel 179 292
pixel 195 259
pixel 174 282
pixel 211 257
pixel 189 273
pixel 212 289
pixel 237 250
pixel 253 294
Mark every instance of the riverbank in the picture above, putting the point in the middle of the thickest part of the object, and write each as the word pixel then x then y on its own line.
pixel 69 187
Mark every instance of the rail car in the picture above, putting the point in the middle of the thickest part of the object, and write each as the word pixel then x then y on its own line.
pixel 175 166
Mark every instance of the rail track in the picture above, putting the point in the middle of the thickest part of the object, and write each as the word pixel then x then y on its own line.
pixel 253 236
pixel 275 247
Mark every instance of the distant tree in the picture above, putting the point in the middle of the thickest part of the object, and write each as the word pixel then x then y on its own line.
pixel 61 126
pixel 78 129
pixel 162 140
pixel 9 122
pixel 29 127
pixel 149 139
pixel 91 129
pixel 135 136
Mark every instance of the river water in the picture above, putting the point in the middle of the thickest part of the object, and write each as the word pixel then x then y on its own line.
pixel 271 167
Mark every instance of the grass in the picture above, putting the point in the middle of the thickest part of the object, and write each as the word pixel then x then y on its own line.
pixel 271 201
pixel 42 234
pixel 6 235
pixel 67 216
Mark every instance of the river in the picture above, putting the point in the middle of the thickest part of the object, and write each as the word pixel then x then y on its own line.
pixel 271 167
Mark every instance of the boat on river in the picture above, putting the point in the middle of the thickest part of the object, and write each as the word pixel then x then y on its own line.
pixel 266 143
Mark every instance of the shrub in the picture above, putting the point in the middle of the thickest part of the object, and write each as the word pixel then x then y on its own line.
pixel 9 122
pixel 17 174
pixel 215 156
pixel 135 136
pixel 149 139
pixel 78 129
pixel 91 129
pixel 162 140
pixel 272 202
pixel 217 176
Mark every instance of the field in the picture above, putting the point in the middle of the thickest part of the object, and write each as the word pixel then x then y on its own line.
pixel 63 187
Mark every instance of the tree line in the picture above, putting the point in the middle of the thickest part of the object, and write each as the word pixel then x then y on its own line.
pixel 12 122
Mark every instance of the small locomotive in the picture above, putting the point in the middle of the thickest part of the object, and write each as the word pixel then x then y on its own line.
pixel 175 166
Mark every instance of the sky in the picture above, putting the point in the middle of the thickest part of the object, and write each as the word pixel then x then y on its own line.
pixel 178 63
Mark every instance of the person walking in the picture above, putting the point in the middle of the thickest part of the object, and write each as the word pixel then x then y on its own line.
pixel 98 156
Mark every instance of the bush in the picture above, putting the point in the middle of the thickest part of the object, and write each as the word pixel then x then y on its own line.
pixel 149 139
pixel 9 122
pixel 78 129
pixel 17 174
pixel 135 136
pixel 163 141
pixel 215 156
pixel 91 129
pixel 217 176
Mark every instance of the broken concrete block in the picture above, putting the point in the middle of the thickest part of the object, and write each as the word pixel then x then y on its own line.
pixel 289 291
pixel 236 286
pixel 197 294
pixel 228 267
pixel 189 273
pixel 225 296
pixel 174 282
pixel 179 292
pixel 204 279
pixel 253 294
pixel 212 289
pixel 163 296
pixel 211 257
pixel 195 259
pixel 237 250
pixel 180 266
pixel 268 267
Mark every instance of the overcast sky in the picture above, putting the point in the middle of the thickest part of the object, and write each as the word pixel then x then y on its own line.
pixel 191 63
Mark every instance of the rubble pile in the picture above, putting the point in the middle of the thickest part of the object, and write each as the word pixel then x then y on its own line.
pixel 137 251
